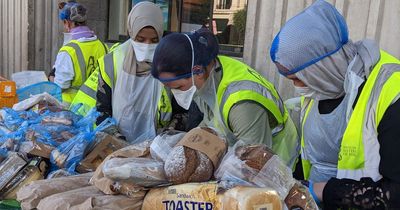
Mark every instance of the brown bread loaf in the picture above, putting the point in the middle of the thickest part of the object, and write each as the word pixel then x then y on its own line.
pixel 255 156
pixel 186 163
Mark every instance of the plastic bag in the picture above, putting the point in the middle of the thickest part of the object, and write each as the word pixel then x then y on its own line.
pixel 63 117
pixel 52 135
pixel 86 124
pixel 163 143
pixel 273 174
pixel 139 171
pixel 3 154
pixel 25 78
pixel 44 100
pixel 11 119
pixel 70 153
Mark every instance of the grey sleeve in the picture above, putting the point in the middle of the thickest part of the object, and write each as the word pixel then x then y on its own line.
pixel 249 122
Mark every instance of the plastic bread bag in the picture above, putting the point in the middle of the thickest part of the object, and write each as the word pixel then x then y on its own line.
pixel 44 99
pixel 300 198
pixel 163 144
pixel 64 117
pixel 144 172
pixel 70 153
pixel 255 165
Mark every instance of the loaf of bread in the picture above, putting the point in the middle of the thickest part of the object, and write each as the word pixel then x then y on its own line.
pixel 300 198
pixel 188 161
pixel 243 198
pixel 144 172
pixel 255 156
pixel 188 165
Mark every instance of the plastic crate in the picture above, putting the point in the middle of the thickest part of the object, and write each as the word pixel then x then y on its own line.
pixel 8 94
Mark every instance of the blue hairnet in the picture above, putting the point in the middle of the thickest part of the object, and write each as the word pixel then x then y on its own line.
pixel 65 12
pixel 174 53
pixel 314 34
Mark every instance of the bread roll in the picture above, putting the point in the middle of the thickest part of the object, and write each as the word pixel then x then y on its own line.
pixel 255 156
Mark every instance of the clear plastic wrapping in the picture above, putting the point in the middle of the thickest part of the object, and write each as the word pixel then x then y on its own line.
pixel 144 172
pixel 163 143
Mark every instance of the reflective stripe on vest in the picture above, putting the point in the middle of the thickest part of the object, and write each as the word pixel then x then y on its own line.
pixel 87 95
pixel 380 91
pixel 81 59
pixel 84 56
pixel 107 70
pixel 306 110
pixel 239 83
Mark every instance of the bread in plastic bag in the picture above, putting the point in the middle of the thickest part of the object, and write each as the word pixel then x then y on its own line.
pixel 144 172
pixel 70 153
pixel 162 144
pixel 37 99
pixel 256 165
pixel 105 184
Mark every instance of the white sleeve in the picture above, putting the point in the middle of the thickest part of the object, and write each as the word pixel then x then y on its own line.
pixel 64 70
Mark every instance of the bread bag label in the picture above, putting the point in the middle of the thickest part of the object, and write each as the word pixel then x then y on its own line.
pixel 264 207
pixel 205 142
pixel 190 196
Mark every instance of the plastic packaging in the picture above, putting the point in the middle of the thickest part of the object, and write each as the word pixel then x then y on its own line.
pixel 139 171
pixel 64 117
pixel 163 143
pixel 25 78
pixel 274 174
pixel 45 100
pixel 70 153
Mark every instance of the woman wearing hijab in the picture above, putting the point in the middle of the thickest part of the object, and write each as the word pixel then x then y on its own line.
pixel 350 115
pixel 126 89
pixel 76 60
pixel 235 99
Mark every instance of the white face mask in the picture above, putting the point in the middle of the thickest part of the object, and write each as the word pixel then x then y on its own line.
pixel 67 38
pixel 184 98
pixel 143 52
pixel 304 91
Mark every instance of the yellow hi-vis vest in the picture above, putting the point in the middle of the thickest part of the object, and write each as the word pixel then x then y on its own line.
pixel 359 152
pixel 241 83
pixel 87 93
pixel 84 56
pixel 381 89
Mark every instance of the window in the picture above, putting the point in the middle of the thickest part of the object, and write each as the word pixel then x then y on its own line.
pixel 225 18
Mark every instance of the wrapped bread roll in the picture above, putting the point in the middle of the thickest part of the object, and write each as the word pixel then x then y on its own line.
pixel 255 156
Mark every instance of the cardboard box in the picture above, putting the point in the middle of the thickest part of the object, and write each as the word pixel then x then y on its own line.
pixel 8 94
pixel 106 146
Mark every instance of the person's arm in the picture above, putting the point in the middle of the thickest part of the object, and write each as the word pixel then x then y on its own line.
pixel 104 100
pixel 64 70
pixel 249 123
pixel 367 194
